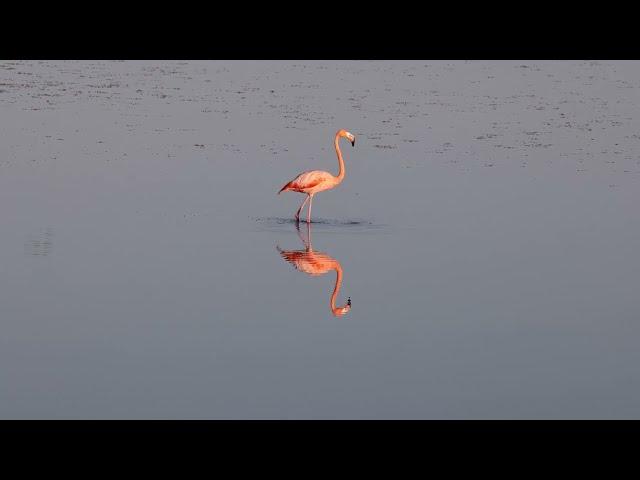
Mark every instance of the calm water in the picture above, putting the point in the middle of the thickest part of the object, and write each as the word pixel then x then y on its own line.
pixel 486 233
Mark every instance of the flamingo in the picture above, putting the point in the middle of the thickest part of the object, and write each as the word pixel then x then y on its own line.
pixel 318 180
pixel 316 264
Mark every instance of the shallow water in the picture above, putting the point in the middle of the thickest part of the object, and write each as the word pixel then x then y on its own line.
pixel 486 232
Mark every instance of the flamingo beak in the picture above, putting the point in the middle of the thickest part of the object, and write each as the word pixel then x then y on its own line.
pixel 349 301
pixel 353 142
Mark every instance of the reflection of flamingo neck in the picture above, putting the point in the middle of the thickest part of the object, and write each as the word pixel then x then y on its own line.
pixel 336 290
pixel 340 161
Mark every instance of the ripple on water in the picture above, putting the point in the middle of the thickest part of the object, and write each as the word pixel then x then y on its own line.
pixel 276 223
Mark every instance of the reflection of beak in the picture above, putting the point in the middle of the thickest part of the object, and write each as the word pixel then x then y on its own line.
pixel 349 301
pixel 353 142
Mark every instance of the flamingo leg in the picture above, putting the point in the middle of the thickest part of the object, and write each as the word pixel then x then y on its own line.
pixel 300 209
pixel 309 209
pixel 307 243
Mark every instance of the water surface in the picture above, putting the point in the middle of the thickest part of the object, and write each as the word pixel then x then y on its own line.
pixel 486 231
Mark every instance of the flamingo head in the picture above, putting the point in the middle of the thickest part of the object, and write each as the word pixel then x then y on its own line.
pixel 349 136
pixel 339 311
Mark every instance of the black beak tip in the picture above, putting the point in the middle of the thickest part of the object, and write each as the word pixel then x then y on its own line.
pixel 349 301
pixel 353 143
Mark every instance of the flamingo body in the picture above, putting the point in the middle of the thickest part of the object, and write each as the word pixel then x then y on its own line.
pixel 310 262
pixel 311 182
pixel 316 181
pixel 316 264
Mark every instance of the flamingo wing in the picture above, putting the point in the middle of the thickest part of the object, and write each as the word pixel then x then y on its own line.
pixel 311 263
pixel 307 180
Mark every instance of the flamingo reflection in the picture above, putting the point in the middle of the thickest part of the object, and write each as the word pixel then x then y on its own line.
pixel 316 264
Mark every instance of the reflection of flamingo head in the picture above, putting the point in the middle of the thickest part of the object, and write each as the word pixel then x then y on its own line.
pixel 339 311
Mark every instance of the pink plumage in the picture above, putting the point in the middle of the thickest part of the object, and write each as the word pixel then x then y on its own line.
pixel 316 181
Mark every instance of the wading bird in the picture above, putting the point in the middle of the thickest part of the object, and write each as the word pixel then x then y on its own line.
pixel 316 264
pixel 318 180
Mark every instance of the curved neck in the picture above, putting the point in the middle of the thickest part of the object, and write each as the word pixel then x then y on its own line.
pixel 336 288
pixel 340 161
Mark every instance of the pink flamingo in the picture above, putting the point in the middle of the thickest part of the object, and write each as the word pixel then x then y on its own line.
pixel 318 180
pixel 315 264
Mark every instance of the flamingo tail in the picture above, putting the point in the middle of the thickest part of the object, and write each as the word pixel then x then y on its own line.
pixel 284 188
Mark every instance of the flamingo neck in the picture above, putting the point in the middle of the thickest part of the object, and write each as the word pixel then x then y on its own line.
pixel 340 161
pixel 336 288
